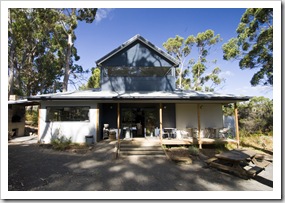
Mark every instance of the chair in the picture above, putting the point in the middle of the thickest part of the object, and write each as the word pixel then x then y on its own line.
pixel 210 133
pixel 164 134
pixel 224 132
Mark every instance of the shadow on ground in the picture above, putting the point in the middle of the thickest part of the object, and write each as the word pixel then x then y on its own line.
pixel 34 168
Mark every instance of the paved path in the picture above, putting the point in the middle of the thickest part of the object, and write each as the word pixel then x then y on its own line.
pixel 34 168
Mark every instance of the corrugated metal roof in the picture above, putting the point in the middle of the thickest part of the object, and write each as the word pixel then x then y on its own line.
pixel 22 102
pixel 143 40
pixel 177 95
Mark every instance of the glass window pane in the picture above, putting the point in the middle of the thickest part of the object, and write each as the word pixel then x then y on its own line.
pixel 70 113
pixel 136 71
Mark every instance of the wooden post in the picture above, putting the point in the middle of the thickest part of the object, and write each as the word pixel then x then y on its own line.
pixel 160 122
pixel 118 121
pixel 199 127
pixel 39 121
pixel 236 125
pixel 97 110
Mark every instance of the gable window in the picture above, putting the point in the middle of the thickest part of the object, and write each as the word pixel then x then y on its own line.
pixel 67 113
pixel 136 71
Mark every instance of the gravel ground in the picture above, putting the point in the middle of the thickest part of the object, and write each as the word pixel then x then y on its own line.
pixel 35 168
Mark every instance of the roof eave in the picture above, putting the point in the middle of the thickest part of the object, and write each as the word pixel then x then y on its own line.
pixel 115 98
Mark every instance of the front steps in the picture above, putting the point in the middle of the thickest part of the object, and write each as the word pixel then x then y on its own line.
pixel 143 148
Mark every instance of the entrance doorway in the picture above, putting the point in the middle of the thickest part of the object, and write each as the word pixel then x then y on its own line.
pixel 139 121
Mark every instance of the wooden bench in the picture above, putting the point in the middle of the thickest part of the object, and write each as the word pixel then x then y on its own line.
pixel 240 162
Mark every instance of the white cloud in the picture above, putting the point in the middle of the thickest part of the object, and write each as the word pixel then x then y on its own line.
pixel 265 91
pixel 226 73
pixel 102 13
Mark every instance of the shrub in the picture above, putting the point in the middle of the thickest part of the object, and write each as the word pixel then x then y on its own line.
pixel 194 150
pixel 220 147
pixel 230 146
pixel 61 143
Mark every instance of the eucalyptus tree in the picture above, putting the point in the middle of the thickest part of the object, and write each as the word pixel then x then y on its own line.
pixel 68 22
pixel 253 46
pixel 41 50
pixel 178 48
pixel 194 71
pixel 29 40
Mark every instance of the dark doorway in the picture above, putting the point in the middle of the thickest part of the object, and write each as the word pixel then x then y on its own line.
pixel 139 121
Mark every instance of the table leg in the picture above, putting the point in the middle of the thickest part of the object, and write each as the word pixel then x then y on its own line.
pixel 230 166
pixel 241 172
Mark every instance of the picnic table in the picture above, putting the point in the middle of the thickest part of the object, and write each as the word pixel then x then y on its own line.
pixel 238 161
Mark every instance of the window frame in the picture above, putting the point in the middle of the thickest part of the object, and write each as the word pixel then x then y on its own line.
pixel 62 118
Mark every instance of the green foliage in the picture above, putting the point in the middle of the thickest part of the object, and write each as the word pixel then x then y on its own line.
pixel 192 73
pixel 32 116
pixel 61 143
pixel 83 87
pixel 230 146
pixel 220 147
pixel 253 46
pixel 256 116
pixel 228 110
pixel 32 64
pixel 180 49
pixel 194 150
pixel 41 50
pixel 94 80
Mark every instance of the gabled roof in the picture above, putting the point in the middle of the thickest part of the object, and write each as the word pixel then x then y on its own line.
pixel 139 39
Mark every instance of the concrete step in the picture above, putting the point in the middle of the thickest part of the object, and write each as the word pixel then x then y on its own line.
pixel 141 150
pixel 142 153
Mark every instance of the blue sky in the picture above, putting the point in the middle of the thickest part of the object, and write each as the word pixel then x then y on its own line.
pixel 115 26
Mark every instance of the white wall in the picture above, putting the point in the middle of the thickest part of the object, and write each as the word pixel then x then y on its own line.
pixel 76 130
pixel 186 116
pixel 211 116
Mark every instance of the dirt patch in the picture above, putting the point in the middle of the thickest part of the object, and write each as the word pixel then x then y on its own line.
pixel 78 149
pixel 181 155
pixel 209 153
pixel 184 155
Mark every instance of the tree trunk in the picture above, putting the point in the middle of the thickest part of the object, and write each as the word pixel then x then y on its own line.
pixel 11 60
pixel 180 74
pixel 67 68
pixel 11 82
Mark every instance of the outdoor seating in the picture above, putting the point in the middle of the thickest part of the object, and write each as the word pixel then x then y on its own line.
pixel 170 132
pixel 224 132
pixel 182 134
pixel 210 133
pixel 240 162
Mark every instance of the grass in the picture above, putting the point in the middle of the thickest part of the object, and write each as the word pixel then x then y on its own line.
pixel 64 144
pixel 258 142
